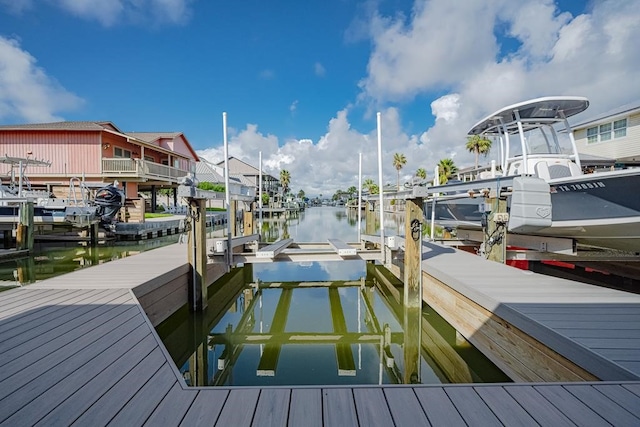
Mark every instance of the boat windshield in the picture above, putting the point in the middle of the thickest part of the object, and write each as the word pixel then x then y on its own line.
pixel 541 140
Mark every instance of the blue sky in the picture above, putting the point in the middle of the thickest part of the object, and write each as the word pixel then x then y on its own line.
pixel 301 81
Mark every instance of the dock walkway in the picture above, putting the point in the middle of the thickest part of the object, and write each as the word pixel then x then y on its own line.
pixel 79 350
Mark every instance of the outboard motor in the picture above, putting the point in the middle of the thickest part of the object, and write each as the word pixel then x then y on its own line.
pixel 109 200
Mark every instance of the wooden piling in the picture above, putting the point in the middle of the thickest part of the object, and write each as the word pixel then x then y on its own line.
pixel 197 255
pixel 413 253
pixel 24 232
pixel 496 235
pixel 248 223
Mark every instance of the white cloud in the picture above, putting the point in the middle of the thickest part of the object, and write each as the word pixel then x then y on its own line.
pixel 27 93
pixel 319 69
pixel 17 6
pixel 111 12
pixel 293 107
pixel 552 53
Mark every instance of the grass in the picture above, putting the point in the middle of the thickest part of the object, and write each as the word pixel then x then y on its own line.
pixel 156 215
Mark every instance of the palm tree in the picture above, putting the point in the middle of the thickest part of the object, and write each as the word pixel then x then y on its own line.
pixel 301 194
pixel 421 173
pixel 478 145
pixel 399 160
pixel 368 184
pixel 285 179
pixel 447 169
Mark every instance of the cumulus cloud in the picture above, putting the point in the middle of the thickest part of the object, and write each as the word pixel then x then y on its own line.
pixel 27 93
pixel 330 163
pixel 111 12
pixel 551 53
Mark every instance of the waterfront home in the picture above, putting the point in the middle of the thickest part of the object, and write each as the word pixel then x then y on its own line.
pixel 614 134
pixel 99 152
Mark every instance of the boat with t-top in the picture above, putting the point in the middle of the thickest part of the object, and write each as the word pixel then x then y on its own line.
pixel 548 192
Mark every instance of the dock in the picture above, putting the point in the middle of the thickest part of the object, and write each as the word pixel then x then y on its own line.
pixel 81 349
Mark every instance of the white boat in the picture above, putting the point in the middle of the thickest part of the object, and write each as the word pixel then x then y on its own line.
pixel 537 146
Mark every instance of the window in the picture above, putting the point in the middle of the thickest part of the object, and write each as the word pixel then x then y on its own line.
pixel 607 131
pixel 121 153
pixel 149 158
pixel 620 128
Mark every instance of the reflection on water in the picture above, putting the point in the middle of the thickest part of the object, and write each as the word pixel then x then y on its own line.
pixel 288 327
pixel 52 259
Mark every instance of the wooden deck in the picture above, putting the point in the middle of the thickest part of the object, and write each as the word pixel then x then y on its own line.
pixel 78 349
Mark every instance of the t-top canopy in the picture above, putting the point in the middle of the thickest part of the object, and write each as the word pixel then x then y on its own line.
pixel 533 113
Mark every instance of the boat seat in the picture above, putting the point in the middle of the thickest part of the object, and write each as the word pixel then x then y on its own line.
pixel 542 171
pixel 559 171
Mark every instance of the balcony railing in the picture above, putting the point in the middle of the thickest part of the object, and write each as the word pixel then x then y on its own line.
pixel 139 168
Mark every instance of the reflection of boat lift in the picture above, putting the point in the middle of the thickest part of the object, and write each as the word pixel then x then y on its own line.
pixel 276 337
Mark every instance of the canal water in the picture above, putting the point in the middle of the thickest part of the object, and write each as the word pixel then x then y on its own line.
pixel 50 259
pixel 318 323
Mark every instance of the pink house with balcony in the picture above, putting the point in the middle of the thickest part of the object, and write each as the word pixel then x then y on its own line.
pixel 99 153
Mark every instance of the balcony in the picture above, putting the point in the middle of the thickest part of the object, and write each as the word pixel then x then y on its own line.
pixel 141 169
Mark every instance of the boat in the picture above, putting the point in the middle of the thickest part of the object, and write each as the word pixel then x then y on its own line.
pixel 86 210
pixel 548 192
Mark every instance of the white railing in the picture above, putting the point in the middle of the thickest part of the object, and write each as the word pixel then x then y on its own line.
pixel 141 169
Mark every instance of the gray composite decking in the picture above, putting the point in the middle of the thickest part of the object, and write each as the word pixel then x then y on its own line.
pixel 79 350
pixel 595 327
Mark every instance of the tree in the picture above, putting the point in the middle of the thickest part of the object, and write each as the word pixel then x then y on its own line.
pixel 352 191
pixel 421 173
pixel 478 145
pixel 285 179
pixel 301 194
pixel 367 184
pixel 446 169
pixel 399 160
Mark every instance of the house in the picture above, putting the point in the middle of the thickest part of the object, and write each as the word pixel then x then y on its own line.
pixel 237 167
pixel 99 153
pixel 614 134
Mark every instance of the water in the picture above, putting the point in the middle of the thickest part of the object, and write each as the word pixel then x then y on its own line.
pixel 329 323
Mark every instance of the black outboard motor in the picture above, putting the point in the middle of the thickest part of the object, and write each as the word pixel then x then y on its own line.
pixel 109 200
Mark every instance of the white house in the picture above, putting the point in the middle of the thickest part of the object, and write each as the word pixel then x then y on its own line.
pixel 614 134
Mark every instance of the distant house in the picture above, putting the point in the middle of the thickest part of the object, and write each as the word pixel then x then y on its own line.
pixel 251 176
pixel 614 134
pixel 100 153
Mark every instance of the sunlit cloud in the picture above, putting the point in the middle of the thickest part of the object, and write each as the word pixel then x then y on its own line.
pixel 27 93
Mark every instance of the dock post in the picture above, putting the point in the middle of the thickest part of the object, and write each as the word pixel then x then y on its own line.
pixel 370 219
pixel 24 233
pixel 413 253
pixel 93 233
pixel 198 254
pixel 232 217
pixel 248 223
pixel 496 235
pixel 414 216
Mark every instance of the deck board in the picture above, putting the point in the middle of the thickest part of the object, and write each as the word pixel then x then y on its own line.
pixel 505 407
pixel 603 404
pixel 110 403
pixel 405 407
pixel 206 408
pixel 82 398
pixel 273 408
pixel 571 406
pixel 338 407
pixel 239 408
pixel 372 407
pixel 80 350
pixel 438 407
pixel 306 407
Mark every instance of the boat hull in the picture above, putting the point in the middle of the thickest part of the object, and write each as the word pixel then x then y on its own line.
pixel 600 209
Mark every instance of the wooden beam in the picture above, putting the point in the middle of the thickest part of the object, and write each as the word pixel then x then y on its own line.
pixel 343 249
pixel 269 360
pixel 344 355
pixel 274 249
pixel 413 253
